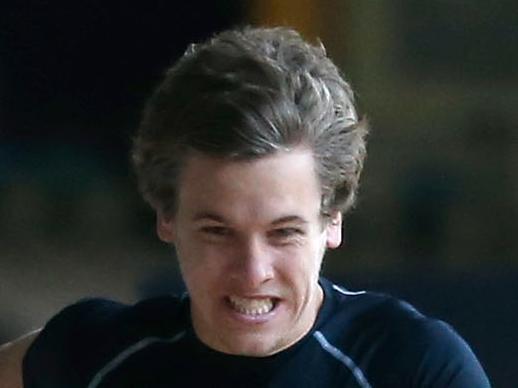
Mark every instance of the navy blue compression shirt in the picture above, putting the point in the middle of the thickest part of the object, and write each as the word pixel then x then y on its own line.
pixel 359 340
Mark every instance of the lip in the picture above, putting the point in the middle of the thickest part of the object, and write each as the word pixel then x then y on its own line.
pixel 253 319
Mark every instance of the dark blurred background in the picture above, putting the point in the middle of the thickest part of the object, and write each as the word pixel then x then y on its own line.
pixel 438 212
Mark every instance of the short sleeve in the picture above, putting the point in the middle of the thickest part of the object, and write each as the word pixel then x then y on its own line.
pixel 421 352
pixel 72 344
pixel 445 359
pixel 81 339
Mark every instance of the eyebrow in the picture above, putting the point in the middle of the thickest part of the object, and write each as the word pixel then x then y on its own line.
pixel 288 219
pixel 208 216
pixel 217 218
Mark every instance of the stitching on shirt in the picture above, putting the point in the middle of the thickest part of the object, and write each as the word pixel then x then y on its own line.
pixel 125 354
pixel 344 359
pixel 347 292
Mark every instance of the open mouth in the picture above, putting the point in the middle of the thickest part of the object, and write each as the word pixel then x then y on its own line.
pixel 253 307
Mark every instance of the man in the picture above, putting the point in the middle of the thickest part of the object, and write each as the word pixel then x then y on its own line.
pixel 250 153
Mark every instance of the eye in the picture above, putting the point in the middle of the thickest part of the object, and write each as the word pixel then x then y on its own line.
pixel 215 230
pixel 286 233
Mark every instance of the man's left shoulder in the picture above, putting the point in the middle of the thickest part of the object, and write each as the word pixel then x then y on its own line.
pixel 427 350
pixel 396 345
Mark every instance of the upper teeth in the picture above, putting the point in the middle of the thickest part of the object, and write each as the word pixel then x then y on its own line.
pixel 251 306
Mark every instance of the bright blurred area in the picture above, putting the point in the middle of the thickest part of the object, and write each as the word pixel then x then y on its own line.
pixel 437 218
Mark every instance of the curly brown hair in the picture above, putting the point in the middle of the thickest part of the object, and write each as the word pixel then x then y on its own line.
pixel 248 93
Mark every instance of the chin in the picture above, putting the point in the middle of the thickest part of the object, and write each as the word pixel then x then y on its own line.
pixel 254 347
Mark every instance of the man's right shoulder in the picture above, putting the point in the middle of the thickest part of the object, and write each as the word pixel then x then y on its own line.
pixel 81 338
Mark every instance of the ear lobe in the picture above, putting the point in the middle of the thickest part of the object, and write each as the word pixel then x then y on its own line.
pixel 165 228
pixel 334 231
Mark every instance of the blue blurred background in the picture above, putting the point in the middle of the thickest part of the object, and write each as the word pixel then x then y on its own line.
pixel 438 212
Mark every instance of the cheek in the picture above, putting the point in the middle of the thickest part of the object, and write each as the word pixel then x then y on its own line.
pixel 201 265
pixel 303 264
pixel 318 249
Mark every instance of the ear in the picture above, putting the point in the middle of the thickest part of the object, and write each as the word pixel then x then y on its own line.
pixel 165 228
pixel 334 231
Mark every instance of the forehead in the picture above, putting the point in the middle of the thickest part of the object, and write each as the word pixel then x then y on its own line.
pixel 281 184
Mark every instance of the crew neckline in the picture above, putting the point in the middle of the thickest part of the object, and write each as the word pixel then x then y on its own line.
pixel 209 353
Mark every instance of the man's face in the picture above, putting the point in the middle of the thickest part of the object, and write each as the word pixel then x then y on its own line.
pixel 250 241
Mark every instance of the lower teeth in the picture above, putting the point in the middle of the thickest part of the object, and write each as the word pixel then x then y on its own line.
pixel 255 312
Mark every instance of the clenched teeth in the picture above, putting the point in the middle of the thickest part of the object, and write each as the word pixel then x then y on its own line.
pixel 251 306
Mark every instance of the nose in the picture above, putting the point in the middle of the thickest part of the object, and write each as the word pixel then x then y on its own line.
pixel 254 263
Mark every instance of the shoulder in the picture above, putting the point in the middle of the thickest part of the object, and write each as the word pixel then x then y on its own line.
pixel 426 351
pixel 85 335
pixel 11 356
pixel 363 310
pixel 396 345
